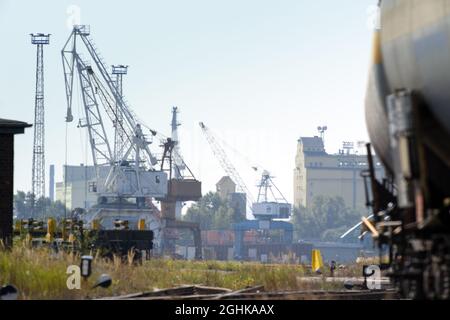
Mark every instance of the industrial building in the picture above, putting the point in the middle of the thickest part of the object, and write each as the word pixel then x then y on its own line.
pixel 225 186
pixel 226 189
pixel 8 128
pixel 318 173
pixel 78 188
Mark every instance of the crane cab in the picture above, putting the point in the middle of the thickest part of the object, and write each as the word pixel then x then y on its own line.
pixel 271 210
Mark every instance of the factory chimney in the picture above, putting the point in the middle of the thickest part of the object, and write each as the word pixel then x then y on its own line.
pixel 51 182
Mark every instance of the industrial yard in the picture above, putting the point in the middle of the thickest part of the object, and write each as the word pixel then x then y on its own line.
pixel 41 274
pixel 130 200
pixel 232 151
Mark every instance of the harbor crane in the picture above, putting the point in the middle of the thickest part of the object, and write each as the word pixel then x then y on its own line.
pixel 226 165
pixel 119 136
pixel 125 177
pixel 130 171
pixel 270 205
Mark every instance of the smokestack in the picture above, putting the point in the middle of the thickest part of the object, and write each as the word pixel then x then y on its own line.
pixel 51 183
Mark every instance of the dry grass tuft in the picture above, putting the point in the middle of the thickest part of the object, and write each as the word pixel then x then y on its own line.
pixel 41 274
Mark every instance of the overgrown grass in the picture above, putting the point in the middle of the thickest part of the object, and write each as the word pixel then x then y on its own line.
pixel 41 274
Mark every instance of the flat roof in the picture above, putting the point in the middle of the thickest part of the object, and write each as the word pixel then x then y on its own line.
pixel 12 126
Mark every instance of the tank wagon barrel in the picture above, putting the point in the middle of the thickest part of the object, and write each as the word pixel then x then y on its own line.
pixel 408 119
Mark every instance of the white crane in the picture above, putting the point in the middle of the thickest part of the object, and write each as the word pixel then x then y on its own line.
pixel 271 203
pixel 133 174
pixel 226 165
pixel 121 175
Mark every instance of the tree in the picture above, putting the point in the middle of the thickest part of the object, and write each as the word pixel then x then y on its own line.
pixel 23 204
pixel 44 207
pixel 212 212
pixel 326 220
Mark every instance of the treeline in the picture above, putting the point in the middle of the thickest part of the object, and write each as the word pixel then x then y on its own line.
pixel 44 207
pixel 326 220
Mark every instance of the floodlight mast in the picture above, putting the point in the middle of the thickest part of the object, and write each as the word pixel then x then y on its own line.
pixel 38 168
pixel 322 130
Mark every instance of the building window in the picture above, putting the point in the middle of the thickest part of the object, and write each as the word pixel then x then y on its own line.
pixel 92 187
pixel 284 212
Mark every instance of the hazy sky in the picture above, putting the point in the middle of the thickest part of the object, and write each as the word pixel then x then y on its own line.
pixel 259 73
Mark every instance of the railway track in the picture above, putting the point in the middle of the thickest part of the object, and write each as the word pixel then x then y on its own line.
pixel 257 293
pixel 319 295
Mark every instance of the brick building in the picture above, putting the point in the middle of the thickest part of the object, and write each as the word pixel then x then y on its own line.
pixel 8 128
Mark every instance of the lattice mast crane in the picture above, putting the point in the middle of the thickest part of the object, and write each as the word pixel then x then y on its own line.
pixel 226 164
pixel 128 173
pixel 119 135
pixel 38 168
pixel 266 186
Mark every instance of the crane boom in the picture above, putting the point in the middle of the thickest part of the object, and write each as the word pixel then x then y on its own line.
pixel 101 151
pixel 226 164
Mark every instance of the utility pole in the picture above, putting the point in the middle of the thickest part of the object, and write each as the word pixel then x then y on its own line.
pixel 38 171
pixel 119 135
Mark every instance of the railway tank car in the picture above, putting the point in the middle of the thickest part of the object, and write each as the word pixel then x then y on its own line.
pixel 408 119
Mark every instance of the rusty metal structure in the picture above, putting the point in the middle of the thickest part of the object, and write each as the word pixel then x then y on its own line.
pixel 182 187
